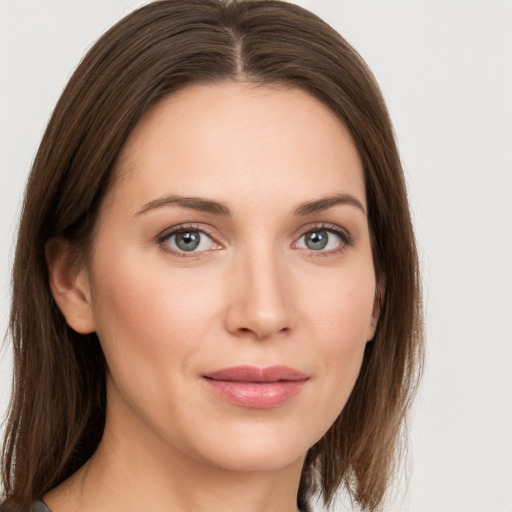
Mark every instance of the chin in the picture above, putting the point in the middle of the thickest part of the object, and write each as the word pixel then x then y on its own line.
pixel 258 449
pixel 257 461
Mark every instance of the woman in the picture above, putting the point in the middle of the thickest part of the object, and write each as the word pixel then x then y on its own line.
pixel 216 296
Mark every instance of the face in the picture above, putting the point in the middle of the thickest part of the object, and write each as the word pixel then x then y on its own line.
pixel 231 281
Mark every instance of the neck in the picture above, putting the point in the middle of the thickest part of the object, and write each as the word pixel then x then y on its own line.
pixel 137 482
pixel 148 474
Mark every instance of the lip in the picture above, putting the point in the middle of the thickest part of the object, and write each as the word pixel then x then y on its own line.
pixel 255 387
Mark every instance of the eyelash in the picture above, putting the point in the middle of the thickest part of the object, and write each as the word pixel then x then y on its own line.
pixel 163 237
pixel 346 238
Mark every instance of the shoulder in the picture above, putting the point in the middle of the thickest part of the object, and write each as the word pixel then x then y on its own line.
pixel 38 506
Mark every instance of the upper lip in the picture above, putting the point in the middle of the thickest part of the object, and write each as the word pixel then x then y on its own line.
pixel 248 373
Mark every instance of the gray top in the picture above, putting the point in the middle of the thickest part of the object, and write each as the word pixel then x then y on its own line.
pixel 38 506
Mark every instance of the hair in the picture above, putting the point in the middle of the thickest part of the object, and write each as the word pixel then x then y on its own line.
pixel 57 411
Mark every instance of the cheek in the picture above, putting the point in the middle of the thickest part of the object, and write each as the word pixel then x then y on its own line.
pixel 340 305
pixel 149 319
pixel 340 317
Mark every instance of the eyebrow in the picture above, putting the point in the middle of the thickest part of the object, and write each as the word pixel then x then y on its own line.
pixel 217 208
pixel 193 203
pixel 325 203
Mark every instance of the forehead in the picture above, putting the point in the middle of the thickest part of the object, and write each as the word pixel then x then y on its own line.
pixel 232 139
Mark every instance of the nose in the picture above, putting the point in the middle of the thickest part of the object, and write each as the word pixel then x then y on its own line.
pixel 261 297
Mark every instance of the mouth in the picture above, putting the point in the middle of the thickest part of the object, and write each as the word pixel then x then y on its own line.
pixel 254 387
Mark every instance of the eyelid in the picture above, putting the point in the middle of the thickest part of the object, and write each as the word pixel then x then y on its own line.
pixel 180 228
pixel 345 236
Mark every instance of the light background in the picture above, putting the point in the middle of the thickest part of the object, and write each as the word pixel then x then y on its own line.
pixel 445 68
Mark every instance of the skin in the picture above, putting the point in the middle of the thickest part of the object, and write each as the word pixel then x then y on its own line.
pixel 253 293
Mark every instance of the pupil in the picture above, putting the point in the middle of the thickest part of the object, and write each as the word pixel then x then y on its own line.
pixel 188 240
pixel 316 240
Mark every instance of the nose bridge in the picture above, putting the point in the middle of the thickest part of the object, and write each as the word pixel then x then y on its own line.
pixel 262 302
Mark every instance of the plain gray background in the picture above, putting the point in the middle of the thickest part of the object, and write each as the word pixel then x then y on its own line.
pixel 445 68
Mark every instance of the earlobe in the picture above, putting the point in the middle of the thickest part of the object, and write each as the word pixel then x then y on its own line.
pixel 69 283
pixel 377 306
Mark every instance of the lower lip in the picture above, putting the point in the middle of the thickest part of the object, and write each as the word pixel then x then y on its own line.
pixel 257 395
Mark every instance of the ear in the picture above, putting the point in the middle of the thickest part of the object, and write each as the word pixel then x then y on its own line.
pixel 377 305
pixel 69 283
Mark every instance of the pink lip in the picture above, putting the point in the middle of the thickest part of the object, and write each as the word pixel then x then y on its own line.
pixel 258 388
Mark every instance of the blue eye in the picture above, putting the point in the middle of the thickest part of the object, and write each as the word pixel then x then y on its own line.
pixel 188 240
pixel 320 240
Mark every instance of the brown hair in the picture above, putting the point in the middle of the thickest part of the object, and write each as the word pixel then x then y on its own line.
pixel 57 411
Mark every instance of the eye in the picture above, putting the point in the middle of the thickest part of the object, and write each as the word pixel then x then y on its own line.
pixel 188 240
pixel 323 240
